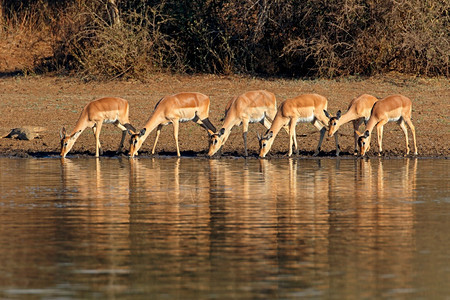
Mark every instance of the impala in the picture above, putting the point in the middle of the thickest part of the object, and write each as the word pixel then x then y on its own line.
pixel 250 107
pixel 94 114
pixel 395 108
pixel 358 112
pixel 174 109
pixel 305 108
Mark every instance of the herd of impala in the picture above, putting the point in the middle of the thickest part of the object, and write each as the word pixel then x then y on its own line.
pixel 250 107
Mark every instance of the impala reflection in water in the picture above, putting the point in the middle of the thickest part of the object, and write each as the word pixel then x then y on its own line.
pixel 239 228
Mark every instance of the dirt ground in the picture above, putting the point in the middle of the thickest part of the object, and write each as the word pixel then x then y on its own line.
pixel 54 102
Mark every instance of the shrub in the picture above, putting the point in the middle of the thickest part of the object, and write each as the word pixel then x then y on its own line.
pixel 135 47
pixel 101 40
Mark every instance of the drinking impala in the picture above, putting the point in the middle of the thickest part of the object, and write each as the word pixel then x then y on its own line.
pixel 174 109
pixel 358 112
pixel 395 108
pixel 94 114
pixel 307 108
pixel 250 107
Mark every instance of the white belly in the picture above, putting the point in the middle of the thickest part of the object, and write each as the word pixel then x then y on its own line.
pixel 308 119
pixel 110 117
pixel 109 121
pixel 394 119
pixel 256 120
pixel 182 120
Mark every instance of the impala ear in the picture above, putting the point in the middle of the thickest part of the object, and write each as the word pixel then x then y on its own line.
pixel 142 132
pixel 75 135
pixel 327 114
pixel 358 133
pixel 258 136
pixel 62 133
pixel 366 133
pixel 269 135
pixel 221 132
pixel 338 114
pixel 130 132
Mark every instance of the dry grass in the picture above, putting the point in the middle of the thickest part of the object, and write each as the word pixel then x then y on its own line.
pixel 294 38
pixel 132 49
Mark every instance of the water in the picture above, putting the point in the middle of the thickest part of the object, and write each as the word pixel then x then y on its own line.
pixel 224 229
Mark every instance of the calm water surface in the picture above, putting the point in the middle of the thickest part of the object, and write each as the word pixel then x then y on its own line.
pixel 224 229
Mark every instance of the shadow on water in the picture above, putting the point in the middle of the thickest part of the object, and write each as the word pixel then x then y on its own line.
pixel 279 228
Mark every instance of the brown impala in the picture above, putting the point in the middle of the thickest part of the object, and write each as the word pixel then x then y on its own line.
pixel 174 109
pixel 250 107
pixel 358 112
pixel 395 108
pixel 94 114
pixel 307 108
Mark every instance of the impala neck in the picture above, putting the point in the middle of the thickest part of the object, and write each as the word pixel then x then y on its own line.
pixel 371 124
pixel 277 124
pixel 347 117
pixel 228 125
pixel 152 123
pixel 81 124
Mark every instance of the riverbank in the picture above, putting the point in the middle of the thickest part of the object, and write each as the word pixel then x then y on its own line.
pixel 54 102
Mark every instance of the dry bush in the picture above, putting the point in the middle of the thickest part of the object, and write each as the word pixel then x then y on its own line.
pixel 269 37
pixel 369 37
pixel 135 47
pixel 25 38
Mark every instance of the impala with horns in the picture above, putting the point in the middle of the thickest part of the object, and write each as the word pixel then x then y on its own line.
pixel 358 112
pixel 250 107
pixel 94 114
pixel 174 109
pixel 307 108
pixel 395 108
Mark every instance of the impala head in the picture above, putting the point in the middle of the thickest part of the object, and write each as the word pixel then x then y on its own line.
pixel 265 143
pixel 216 142
pixel 333 124
pixel 364 143
pixel 67 141
pixel 136 142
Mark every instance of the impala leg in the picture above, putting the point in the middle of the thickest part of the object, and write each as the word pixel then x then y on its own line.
pixel 206 124
pixel 413 130
pixel 336 141
pixel 124 133
pixel 266 123
pixel 292 136
pixel 380 126
pixel 244 134
pixel 322 130
pixel 294 140
pixel 158 132
pixel 98 146
pixel 402 125
pixel 319 146
pixel 356 124
pixel 176 125
pixel 380 139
